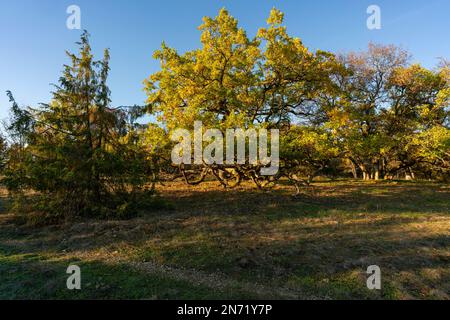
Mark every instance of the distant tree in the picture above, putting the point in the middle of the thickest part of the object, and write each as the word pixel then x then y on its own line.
pixel 416 124
pixel 383 105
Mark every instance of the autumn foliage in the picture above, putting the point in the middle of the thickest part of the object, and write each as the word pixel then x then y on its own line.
pixel 369 115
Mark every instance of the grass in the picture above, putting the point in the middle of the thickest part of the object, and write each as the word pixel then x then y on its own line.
pixel 245 243
pixel 38 277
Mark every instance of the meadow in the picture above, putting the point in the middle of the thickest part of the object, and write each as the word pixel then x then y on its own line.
pixel 211 243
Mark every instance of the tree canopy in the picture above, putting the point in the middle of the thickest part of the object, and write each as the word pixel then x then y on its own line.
pixel 372 112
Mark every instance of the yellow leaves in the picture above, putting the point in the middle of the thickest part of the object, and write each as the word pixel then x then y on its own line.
pixel 241 37
pixel 262 33
pixel 224 81
pixel 306 143
pixel 431 143
pixel 221 31
pixel 424 111
pixel 338 118
pixel 276 17
pixel 443 97
pixel 416 79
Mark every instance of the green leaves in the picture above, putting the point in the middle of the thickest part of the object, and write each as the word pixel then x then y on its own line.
pixel 79 151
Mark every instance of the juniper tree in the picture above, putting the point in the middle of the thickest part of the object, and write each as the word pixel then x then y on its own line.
pixel 82 155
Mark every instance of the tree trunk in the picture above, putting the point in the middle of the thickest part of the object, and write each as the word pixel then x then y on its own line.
pixel 366 175
pixel 376 174
pixel 411 172
pixel 354 172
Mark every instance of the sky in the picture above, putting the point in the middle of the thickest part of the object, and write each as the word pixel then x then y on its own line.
pixel 34 35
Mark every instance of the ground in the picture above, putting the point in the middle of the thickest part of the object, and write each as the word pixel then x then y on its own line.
pixel 212 243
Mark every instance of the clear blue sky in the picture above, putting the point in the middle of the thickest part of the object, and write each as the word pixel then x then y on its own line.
pixel 34 36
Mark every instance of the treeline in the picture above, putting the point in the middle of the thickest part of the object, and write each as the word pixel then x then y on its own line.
pixel 369 115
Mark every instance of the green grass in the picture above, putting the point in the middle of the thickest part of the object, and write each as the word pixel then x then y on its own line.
pixel 214 243
pixel 37 277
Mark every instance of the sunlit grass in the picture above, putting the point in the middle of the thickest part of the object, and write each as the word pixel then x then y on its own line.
pixel 246 243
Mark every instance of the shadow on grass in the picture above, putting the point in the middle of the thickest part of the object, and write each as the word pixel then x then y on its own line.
pixel 320 242
pixel 29 276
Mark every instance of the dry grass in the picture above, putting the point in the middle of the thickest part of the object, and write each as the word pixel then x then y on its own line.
pixel 247 243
